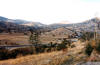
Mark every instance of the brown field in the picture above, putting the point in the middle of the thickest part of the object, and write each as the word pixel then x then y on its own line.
pixel 15 37
pixel 21 39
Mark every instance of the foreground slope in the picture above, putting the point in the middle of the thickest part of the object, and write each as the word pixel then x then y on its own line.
pixel 71 56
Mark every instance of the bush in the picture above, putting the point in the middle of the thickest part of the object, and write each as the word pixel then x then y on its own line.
pixel 98 45
pixel 3 53
pixel 88 49
pixel 22 51
pixel 6 54
pixel 72 46
pixel 61 46
pixel 66 42
pixel 87 36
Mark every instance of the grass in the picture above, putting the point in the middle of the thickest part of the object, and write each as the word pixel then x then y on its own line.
pixel 69 57
pixel 20 38
pixel 53 58
pixel 17 38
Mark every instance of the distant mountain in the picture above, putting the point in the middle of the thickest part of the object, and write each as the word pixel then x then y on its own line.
pixel 3 18
pixel 9 26
pixel 35 24
pixel 18 25
pixel 57 25
pixel 18 21
pixel 21 22
pixel 88 25
pixel 27 23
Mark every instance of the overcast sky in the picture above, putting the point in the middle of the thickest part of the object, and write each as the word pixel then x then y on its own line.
pixel 50 11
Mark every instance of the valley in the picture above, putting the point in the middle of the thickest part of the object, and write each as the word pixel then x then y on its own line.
pixel 33 43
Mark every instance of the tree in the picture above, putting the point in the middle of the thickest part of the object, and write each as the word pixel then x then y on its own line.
pixel 34 38
pixel 31 30
pixel 87 36
pixel 9 31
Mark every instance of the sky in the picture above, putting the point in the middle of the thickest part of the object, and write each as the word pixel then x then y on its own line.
pixel 50 11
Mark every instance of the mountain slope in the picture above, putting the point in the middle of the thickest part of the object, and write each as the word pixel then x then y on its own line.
pixel 88 25
pixel 6 26
pixel 3 18
pixel 21 22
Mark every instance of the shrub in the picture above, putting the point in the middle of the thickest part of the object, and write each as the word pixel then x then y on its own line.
pixel 3 53
pixel 88 49
pixel 23 51
pixel 98 45
pixel 25 33
pixel 61 46
pixel 6 54
pixel 72 46
pixel 87 36
pixel 66 42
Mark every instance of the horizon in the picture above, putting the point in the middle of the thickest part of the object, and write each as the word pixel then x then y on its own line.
pixel 51 23
pixel 50 11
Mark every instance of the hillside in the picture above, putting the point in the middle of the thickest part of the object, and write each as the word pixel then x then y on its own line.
pixel 88 25
pixel 50 33
pixel 9 26
pixel 21 22
pixel 55 35
pixel 68 57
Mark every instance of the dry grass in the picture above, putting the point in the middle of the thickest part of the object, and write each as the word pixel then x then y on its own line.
pixel 70 57
pixel 53 58
pixel 20 38
pixel 17 38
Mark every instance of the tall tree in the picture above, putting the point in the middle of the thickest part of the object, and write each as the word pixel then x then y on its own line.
pixel 9 31
pixel 34 37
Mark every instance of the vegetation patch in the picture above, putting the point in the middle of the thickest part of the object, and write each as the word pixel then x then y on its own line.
pixel 88 49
